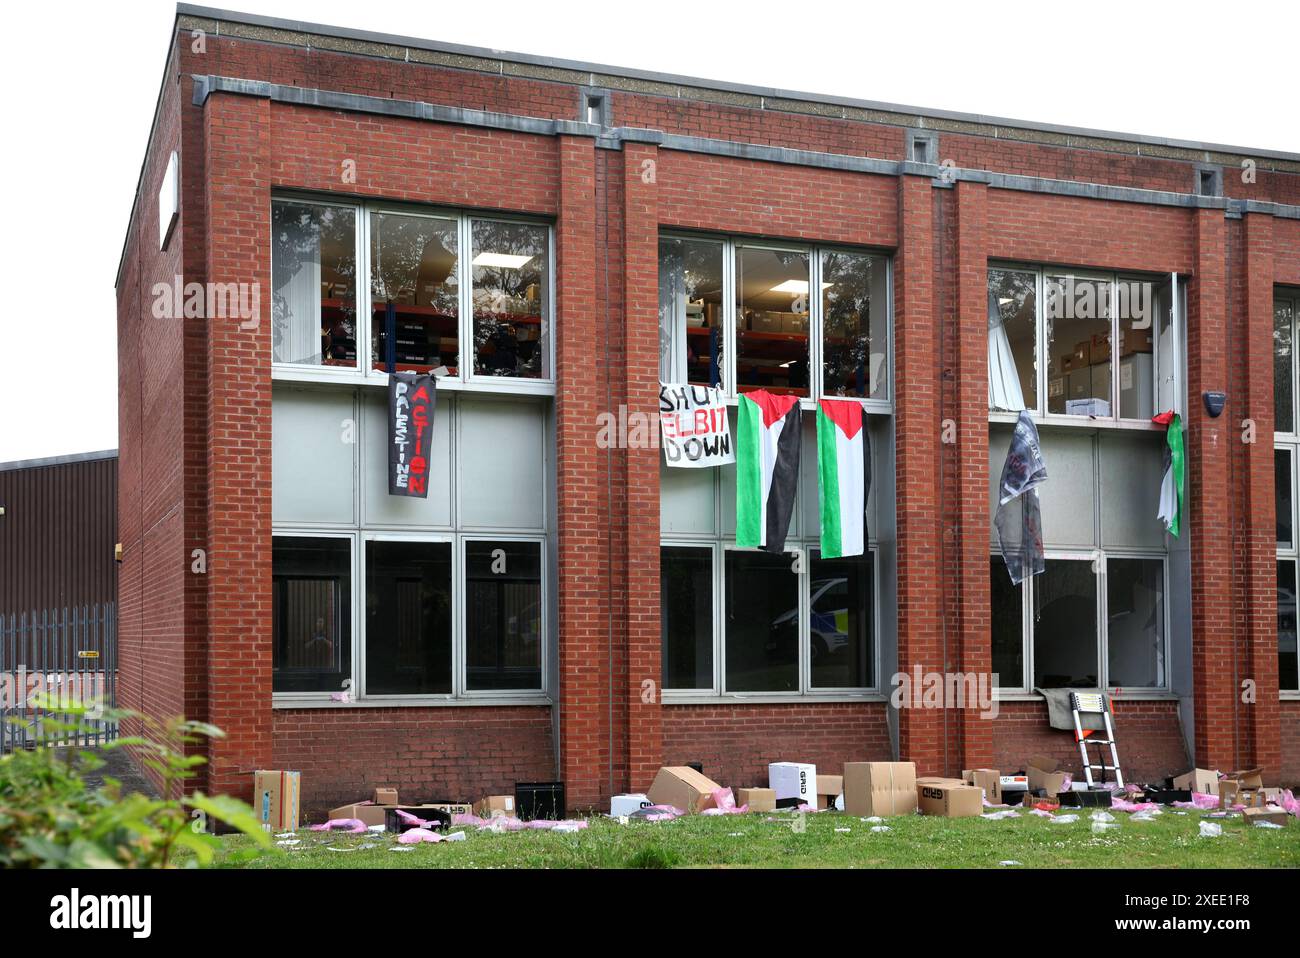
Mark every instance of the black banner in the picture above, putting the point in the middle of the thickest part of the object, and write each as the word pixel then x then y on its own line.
pixel 410 433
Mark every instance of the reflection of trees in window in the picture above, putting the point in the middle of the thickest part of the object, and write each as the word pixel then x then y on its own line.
pixel 1282 360
pixel 309 311
pixel 846 336
pixel 509 298
pixel 1014 291
pixel 413 260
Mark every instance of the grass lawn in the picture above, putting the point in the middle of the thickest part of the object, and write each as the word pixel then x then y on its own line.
pixel 768 840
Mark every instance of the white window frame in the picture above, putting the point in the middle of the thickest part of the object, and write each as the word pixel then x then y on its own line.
pixel 1290 442
pixel 1099 558
pixel 462 645
pixel 806 691
pixel 1114 421
pixel 730 249
pixel 465 380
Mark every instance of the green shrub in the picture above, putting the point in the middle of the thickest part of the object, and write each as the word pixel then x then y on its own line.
pixel 50 817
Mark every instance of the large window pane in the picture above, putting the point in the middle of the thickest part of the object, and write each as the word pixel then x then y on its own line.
pixel 1135 610
pixel 1013 340
pixel 690 311
pixel 1007 626
pixel 1287 673
pixel 772 320
pixel 408 618
pixel 1283 401
pixel 841 622
pixel 686 616
pixel 1135 308
pixel 503 615
pixel 1282 494
pixel 311 617
pixel 1065 625
pixel 414 292
pixel 762 623
pixel 855 325
pixel 511 300
pixel 313 284
pixel 1078 346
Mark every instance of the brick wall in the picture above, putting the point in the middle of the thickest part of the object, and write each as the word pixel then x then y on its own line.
pixel 197 474
pixel 1148 736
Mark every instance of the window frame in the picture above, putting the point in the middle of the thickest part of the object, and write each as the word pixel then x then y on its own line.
pixel 465 379
pixel 797 550
pixel 1099 558
pixel 1289 442
pixel 731 245
pixel 460 653
pixel 1178 320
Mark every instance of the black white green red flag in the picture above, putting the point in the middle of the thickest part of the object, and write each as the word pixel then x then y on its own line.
pixel 844 477
pixel 1171 478
pixel 768 439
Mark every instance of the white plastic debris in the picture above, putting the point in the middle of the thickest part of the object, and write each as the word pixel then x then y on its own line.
pixel 1099 827
pixel 290 842
pixel 286 835
pixel 1267 825
pixel 839 802
pixel 1064 819
pixel 880 828
pixel 1142 817
pixel 375 828
pixel 1100 816
pixel 842 831
pixel 460 836
pixel 401 848
pixel 565 827
pixel 335 848
pixel 873 818
pixel 998 816
pixel 1009 861
pixel 1211 829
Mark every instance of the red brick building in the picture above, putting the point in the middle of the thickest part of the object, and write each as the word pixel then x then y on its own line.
pixel 563 607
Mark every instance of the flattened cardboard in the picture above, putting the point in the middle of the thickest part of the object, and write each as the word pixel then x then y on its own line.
pixel 795 783
pixel 950 800
pixel 682 787
pixel 1269 813
pixel 757 799
pixel 879 788
pixel 276 799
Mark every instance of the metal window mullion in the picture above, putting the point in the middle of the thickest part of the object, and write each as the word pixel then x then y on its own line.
pixel 1113 313
pixel 720 633
pixel 730 254
pixel 1027 637
pixel 815 331
pixel 362 291
pixel 1040 332
pixel 465 275
pixel 803 557
pixel 459 611
pixel 1103 624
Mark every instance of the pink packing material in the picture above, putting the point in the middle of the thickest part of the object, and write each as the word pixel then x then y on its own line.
pixel 1041 813
pixel 1200 800
pixel 506 824
pixel 1289 802
pixel 724 803
pixel 1123 805
pixel 353 826
pixel 410 819
pixel 416 835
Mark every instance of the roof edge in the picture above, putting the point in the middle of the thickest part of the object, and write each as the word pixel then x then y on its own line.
pixel 69 459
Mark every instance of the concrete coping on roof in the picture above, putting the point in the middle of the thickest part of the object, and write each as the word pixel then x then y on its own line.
pixel 265 29
pixel 613 137
pixel 58 460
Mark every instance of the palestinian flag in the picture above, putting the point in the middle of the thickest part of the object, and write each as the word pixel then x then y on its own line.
pixel 844 477
pixel 769 435
pixel 1171 482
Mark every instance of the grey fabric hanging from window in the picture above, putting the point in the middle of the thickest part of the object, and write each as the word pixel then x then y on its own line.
pixel 1018 521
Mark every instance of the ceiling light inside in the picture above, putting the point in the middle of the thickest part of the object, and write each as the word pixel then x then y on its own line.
pixel 502 260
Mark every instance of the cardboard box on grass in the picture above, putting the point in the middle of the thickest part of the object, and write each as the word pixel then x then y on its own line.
pixel 829 788
pixel 368 812
pixel 276 799
pixel 1203 780
pixel 1042 773
pixel 988 779
pixel 795 783
pixel 757 799
pixel 879 788
pixel 1268 813
pixel 386 796
pixel 949 799
pixel 493 806
pixel 682 787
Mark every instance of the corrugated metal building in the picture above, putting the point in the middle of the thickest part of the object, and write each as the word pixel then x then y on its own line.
pixel 58 523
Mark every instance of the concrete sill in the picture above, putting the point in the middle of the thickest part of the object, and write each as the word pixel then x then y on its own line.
pixel 671 699
pixel 498 701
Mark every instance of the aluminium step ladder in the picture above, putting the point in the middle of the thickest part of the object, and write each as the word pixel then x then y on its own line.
pixel 1094 703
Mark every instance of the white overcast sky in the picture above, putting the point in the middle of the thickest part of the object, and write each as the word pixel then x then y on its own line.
pixel 80 80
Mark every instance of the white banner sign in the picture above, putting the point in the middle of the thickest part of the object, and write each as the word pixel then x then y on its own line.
pixel 693 424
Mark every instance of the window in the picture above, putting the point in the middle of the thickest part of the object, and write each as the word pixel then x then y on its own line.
pixel 803 321
pixel 436 281
pixel 510 288
pixel 1112 344
pixel 408 617
pixel 503 615
pixel 1098 615
pixel 747 622
pixel 313 291
pixel 1286 313
pixel 311 625
pixel 448 591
